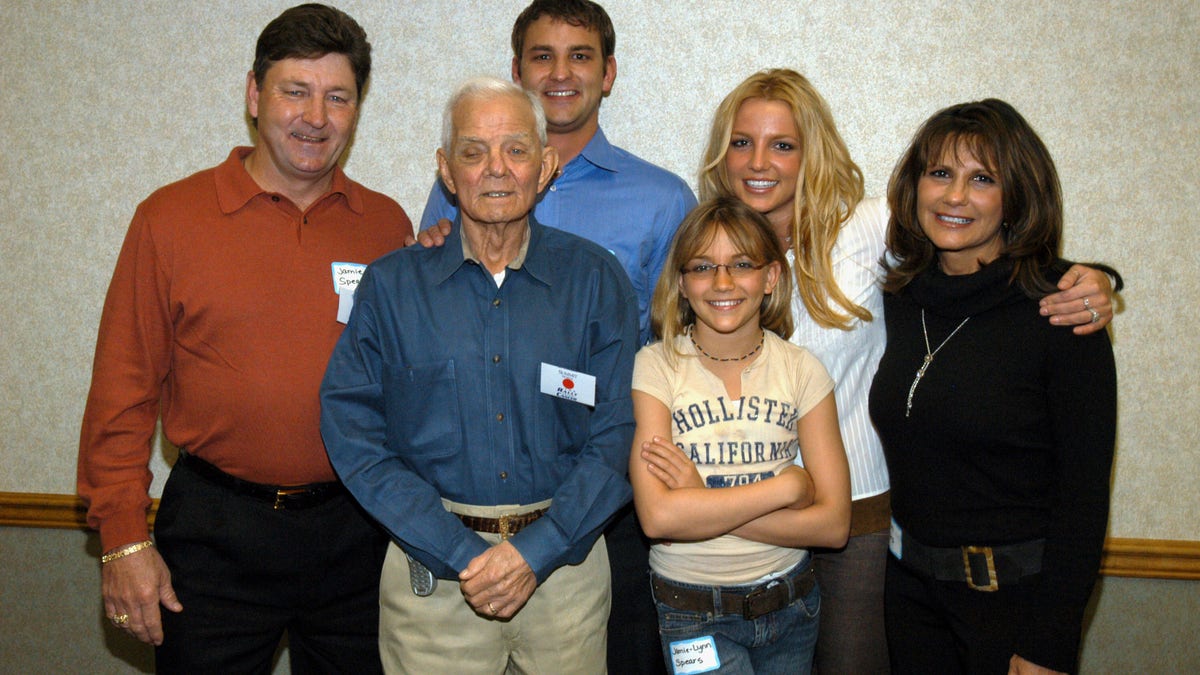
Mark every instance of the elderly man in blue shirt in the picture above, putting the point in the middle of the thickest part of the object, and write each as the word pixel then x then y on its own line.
pixel 478 406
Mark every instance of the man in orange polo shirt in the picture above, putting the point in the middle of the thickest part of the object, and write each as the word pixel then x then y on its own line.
pixel 228 296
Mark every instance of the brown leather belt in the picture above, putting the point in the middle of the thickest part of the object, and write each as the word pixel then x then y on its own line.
pixel 871 514
pixel 748 604
pixel 505 526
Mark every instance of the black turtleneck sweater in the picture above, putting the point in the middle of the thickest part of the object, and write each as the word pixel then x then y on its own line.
pixel 1010 437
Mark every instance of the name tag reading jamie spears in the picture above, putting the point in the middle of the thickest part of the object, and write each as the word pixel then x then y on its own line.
pixel 345 281
pixel 569 384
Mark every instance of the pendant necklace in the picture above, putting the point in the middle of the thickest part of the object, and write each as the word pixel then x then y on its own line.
pixel 928 359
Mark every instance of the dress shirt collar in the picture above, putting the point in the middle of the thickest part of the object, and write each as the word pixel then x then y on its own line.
pixel 235 187
pixel 456 251
pixel 599 153
pixel 514 264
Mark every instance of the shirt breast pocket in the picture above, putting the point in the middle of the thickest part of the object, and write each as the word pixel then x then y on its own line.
pixel 422 408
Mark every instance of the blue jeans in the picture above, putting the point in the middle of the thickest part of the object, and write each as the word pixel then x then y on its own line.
pixel 778 642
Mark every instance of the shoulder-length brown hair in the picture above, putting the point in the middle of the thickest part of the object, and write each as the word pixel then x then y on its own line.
pixel 829 188
pixel 1000 138
pixel 751 234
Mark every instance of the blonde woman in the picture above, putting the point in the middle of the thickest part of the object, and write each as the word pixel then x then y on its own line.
pixel 775 147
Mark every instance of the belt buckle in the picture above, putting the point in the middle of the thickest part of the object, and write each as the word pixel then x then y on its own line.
pixel 282 493
pixel 505 522
pixel 750 609
pixel 986 552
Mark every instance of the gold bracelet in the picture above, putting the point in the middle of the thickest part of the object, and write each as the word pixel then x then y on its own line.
pixel 124 551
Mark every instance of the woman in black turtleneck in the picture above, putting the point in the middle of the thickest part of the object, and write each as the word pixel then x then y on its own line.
pixel 998 428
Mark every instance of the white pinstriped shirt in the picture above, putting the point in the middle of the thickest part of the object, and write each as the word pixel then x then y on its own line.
pixel 852 356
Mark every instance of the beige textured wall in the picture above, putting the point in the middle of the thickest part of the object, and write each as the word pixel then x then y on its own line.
pixel 104 101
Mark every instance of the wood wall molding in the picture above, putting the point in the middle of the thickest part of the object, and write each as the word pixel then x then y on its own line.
pixel 1139 558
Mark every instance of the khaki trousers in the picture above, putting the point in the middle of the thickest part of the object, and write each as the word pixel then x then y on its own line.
pixel 562 629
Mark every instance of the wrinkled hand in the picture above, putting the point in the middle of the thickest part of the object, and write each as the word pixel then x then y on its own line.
pixel 803 483
pixel 1019 666
pixel 498 582
pixel 1080 288
pixel 668 464
pixel 432 237
pixel 135 585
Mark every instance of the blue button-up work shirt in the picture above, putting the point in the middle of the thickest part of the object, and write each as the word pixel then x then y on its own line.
pixel 433 391
pixel 614 198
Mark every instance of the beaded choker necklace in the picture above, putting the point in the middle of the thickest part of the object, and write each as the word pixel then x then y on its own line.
pixel 761 337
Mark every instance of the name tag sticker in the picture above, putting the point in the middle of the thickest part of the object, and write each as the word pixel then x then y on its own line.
pixel 894 539
pixel 345 281
pixel 568 384
pixel 698 655
pixel 346 276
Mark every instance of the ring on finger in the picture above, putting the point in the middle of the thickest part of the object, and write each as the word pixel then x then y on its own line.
pixel 119 619
pixel 1095 315
pixel 1087 303
pixel 491 608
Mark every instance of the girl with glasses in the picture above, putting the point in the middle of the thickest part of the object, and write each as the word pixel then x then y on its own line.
pixel 737 463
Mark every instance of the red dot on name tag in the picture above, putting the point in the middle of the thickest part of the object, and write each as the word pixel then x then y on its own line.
pixel 568 383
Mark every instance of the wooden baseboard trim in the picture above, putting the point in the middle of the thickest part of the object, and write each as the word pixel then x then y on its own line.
pixel 61 512
pixel 1139 558
pixel 1151 559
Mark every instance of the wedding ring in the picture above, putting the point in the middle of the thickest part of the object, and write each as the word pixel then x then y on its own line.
pixel 1095 315
pixel 119 619
pixel 491 609
pixel 1087 302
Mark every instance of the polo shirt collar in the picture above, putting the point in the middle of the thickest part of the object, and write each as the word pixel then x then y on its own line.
pixel 235 187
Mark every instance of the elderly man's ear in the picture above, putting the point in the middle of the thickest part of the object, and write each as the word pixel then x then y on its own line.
pixel 549 167
pixel 444 171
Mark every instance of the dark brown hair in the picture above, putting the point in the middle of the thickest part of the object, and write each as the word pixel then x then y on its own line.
pixel 1000 138
pixel 311 31
pixel 580 13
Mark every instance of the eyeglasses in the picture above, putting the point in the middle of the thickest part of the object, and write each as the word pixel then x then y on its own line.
pixel 742 268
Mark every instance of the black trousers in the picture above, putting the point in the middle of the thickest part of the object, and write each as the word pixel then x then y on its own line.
pixel 946 627
pixel 246 574
pixel 633 644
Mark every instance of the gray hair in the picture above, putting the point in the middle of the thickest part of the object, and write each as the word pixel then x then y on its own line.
pixel 489 88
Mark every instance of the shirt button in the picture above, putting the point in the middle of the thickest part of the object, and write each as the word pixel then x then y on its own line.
pixel 499 417
pixel 495 358
pixel 503 475
pixel 496 302
pixel 554 188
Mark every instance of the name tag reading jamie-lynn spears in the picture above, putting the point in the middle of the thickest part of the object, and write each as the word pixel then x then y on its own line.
pixel 698 655
pixel 568 384
pixel 345 281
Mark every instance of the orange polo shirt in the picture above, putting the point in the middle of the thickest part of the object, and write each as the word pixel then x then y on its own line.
pixel 220 317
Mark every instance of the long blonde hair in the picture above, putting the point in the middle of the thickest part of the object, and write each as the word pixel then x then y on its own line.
pixel 830 187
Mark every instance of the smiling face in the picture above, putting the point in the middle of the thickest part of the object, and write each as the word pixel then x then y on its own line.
pixel 960 206
pixel 763 159
pixel 564 65
pixel 496 164
pixel 306 110
pixel 727 306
